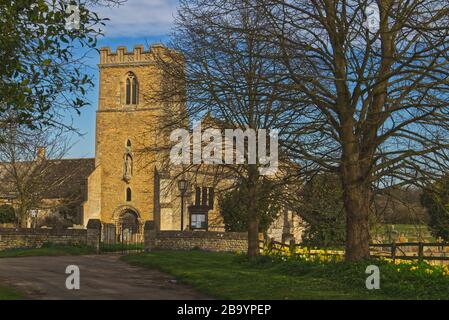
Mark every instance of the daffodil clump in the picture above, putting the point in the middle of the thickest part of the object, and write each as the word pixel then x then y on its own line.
pixel 312 254
pixel 419 268
pixel 400 278
pixel 320 255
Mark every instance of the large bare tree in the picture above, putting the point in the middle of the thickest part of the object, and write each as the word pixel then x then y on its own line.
pixel 233 80
pixel 375 75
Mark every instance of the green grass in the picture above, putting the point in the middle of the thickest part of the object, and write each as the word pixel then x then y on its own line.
pixel 9 294
pixel 228 276
pixel 47 250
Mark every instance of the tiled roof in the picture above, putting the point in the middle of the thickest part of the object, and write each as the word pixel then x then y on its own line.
pixel 65 178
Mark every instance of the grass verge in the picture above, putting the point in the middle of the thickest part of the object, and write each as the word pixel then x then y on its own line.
pixel 9 294
pixel 230 276
pixel 47 250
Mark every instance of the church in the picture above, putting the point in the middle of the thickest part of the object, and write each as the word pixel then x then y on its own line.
pixel 127 186
pixel 128 183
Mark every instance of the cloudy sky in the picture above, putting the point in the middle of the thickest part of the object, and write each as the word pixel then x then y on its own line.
pixel 135 22
pixel 139 18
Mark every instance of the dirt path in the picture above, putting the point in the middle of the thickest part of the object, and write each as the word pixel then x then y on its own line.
pixel 102 277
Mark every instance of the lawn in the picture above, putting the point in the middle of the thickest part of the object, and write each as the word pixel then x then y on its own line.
pixel 9 294
pixel 228 276
pixel 48 250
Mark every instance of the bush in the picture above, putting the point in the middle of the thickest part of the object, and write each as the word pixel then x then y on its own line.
pixel 436 201
pixel 7 214
pixel 235 211
pixel 323 211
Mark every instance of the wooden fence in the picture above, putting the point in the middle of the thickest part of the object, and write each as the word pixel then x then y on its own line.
pixel 420 251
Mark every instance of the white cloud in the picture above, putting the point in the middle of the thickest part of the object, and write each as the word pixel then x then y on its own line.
pixel 139 18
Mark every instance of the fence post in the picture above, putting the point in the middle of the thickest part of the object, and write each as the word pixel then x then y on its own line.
pixel 393 251
pixel 292 247
pixel 420 252
pixel 265 243
pixel 271 245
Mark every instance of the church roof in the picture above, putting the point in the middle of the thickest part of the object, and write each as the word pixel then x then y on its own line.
pixel 52 179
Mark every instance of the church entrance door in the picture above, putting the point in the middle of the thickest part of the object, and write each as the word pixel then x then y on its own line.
pixel 130 231
pixel 127 234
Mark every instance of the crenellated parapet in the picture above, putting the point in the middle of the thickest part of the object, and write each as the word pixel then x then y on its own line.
pixel 122 56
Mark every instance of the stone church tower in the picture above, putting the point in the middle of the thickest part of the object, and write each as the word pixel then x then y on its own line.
pixel 121 189
pixel 130 185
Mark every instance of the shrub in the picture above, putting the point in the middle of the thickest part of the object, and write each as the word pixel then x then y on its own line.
pixel 235 211
pixel 7 214
pixel 323 211
pixel 436 201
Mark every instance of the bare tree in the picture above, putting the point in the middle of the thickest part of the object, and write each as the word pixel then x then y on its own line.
pixel 375 75
pixel 29 161
pixel 232 80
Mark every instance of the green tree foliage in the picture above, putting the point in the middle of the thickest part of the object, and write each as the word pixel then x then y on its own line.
pixel 40 61
pixel 322 209
pixel 7 214
pixel 234 208
pixel 436 201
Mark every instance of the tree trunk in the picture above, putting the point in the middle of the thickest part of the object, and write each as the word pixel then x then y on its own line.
pixel 23 223
pixel 357 200
pixel 355 179
pixel 253 237
pixel 253 216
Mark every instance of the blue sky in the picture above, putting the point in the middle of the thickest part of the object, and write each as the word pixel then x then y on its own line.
pixel 135 22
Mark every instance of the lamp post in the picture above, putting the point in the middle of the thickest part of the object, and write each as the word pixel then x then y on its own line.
pixel 182 186
pixel 33 214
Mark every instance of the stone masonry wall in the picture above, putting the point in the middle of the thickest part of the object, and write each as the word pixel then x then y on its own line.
pixel 35 238
pixel 210 241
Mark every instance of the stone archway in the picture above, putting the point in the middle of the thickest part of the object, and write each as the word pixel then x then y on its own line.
pixel 130 221
pixel 128 224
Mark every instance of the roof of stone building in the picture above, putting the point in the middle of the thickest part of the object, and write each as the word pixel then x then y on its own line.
pixel 55 179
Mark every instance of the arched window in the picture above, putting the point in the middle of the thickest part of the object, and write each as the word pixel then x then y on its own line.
pixel 132 91
pixel 128 91
pixel 128 195
pixel 134 86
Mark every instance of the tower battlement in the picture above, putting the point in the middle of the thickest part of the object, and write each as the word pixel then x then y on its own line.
pixel 122 56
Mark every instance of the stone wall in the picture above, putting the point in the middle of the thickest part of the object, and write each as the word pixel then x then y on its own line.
pixel 92 205
pixel 35 238
pixel 187 240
